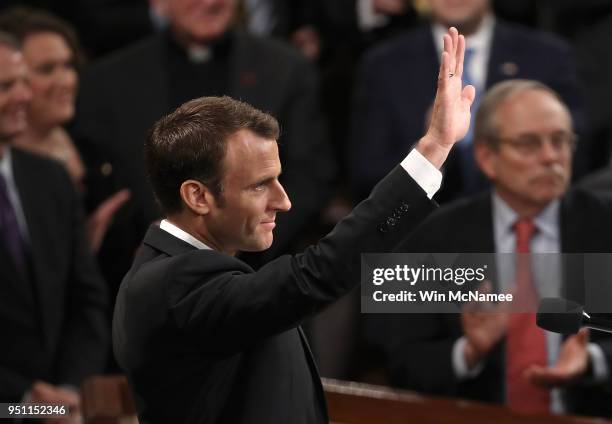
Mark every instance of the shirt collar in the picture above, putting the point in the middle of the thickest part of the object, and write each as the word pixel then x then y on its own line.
pixel 547 221
pixel 5 164
pixel 478 41
pixel 183 235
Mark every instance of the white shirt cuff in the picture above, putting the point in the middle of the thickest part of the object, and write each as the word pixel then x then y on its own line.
pixel 598 362
pixel 460 367
pixel 423 172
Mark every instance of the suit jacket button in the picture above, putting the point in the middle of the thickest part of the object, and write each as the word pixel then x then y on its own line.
pixel 383 228
pixel 404 207
pixel 391 222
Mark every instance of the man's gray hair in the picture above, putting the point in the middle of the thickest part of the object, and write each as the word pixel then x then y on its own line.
pixel 486 130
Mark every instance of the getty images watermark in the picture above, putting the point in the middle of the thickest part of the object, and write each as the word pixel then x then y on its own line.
pixel 446 282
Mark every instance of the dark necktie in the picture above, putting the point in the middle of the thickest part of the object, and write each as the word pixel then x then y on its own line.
pixel 10 235
pixel 525 342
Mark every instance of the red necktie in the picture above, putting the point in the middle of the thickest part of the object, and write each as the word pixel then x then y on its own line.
pixel 525 342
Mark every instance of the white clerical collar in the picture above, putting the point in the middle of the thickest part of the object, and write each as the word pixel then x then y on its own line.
pixel 183 235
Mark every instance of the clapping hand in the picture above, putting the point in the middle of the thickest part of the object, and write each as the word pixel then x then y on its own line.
pixel 450 118
pixel 572 363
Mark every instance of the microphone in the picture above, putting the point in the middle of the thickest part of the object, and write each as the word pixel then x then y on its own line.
pixel 567 317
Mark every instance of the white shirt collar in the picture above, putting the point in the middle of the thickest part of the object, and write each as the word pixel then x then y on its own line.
pixel 479 40
pixel 181 234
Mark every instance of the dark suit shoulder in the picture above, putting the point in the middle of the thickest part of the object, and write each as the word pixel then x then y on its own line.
pixel 461 226
pixel 40 167
pixel 598 181
pixel 169 260
pixel 461 210
pixel 400 48
pixel 522 37
pixel 590 203
pixel 132 53
pixel 271 47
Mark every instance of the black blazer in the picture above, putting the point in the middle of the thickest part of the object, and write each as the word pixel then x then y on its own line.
pixel 124 94
pixel 204 339
pixel 55 321
pixel 419 354
pixel 397 85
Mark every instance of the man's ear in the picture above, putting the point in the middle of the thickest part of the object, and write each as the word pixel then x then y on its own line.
pixel 485 157
pixel 196 197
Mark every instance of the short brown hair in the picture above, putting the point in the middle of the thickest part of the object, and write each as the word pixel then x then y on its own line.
pixel 190 143
pixel 486 130
pixel 23 22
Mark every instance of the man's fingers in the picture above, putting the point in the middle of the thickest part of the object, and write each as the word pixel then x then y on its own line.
pixel 454 43
pixel 443 75
pixel 460 54
pixel 583 336
pixel 448 48
pixel 542 376
pixel 469 94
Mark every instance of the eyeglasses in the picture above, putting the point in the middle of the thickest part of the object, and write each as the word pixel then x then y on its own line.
pixel 530 144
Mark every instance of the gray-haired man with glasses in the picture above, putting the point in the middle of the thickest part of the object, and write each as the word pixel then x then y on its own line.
pixel 523 143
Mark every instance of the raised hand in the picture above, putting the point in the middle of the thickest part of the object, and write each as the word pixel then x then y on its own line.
pixel 450 117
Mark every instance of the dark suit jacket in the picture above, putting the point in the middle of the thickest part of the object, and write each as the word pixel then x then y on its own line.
pixel 122 96
pixel 420 357
pixel 204 339
pixel 397 86
pixel 55 322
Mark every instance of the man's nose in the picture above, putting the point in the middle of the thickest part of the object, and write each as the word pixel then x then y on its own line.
pixel 281 201
pixel 549 152
pixel 22 92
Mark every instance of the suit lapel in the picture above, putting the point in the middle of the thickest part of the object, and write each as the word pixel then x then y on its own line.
pixel 501 63
pixel 313 369
pixel 481 228
pixel 483 219
pixel 11 277
pixel 37 222
pixel 166 242
pixel 572 242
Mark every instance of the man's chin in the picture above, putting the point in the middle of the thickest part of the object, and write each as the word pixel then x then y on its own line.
pixel 258 246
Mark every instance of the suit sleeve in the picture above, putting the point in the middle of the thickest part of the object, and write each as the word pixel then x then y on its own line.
pixel 85 335
pixel 235 309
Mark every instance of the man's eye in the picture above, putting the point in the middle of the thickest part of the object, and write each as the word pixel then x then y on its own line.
pixel 46 69
pixel 260 187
